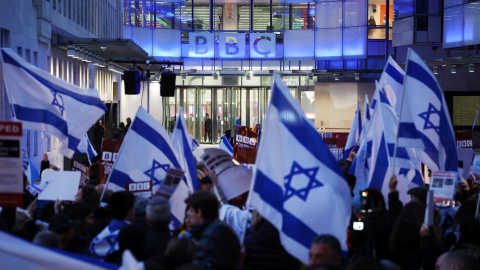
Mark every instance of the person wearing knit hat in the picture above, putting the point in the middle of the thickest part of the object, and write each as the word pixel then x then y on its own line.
pixel 418 194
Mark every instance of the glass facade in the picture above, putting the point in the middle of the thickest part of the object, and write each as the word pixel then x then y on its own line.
pixel 234 29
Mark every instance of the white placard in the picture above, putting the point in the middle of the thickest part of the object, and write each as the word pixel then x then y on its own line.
pixel 234 180
pixel 63 185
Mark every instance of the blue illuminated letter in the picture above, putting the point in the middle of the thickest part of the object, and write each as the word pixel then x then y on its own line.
pixel 255 45
pixel 231 47
pixel 200 45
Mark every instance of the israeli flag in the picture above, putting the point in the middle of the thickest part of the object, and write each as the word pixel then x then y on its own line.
pixel 225 145
pixel 44 102
pixel 16 253
pixel 424 119
pixel 354 135
pixel 37 189
pixel 86 147
pixel 181 144
pixel 393 75
pixel 195 143
pixel 298 185
pixel 378 155
pixel 147 154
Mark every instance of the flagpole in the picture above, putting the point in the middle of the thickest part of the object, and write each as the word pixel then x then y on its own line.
pixel 478 204
pixel 400 113
pixel 476 122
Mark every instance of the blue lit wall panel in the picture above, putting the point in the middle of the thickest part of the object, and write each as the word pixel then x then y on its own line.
pixel 299 44
pixel 355 13
pixel 143 37
pixel 355 42
pixel 328 14
pixel 452 27
pixel 328 43
pixel 166 42
pixel 471 32
pixel 451 3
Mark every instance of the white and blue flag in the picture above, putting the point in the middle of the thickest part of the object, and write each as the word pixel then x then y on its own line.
pixel 43 102
pixel 195 143
pixel 17 253
pixel 37 189
pixel 355 131
pixel 225 145
pixel 424 119
pixel 86 147
pixel 393 75
pixel 181 144
pixel 147 154
pixel 377 155
pixel 298 185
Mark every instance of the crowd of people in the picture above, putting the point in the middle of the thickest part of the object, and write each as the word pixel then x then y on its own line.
pixel 213 234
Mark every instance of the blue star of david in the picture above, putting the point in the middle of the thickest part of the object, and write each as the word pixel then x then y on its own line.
pixel 302 193
pixel 151 172
pixel 112 241
pixel 403 171
pixel 56 103
pixel 426 116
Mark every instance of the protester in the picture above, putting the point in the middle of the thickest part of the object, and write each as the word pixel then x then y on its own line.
pixel 158 217
pixel 69 240
pixel 179 251
pixel 47 239
pixel 131 237
pixel 98 133
pixel 325 248
pixel 456 259
pixel 202 209
pixel 121 207
pixel 219 248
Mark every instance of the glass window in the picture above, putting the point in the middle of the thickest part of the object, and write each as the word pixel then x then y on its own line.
pixel 307 100
pixel 165 15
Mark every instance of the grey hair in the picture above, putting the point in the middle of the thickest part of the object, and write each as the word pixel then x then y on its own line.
pixel 158 210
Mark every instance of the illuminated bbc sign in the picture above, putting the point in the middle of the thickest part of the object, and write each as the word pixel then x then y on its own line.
pixel 231 45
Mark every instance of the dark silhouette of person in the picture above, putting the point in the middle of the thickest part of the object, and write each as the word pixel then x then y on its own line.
pixel 208 128
pixel 98 133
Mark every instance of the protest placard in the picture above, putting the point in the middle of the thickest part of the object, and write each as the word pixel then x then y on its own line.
pixel 245 145
pixel 63 185
pixel 169 185
pixel 443 186
pixel 11 170
pixel 108 155
pixel 143 188
pixel 77 166
pixel 232 178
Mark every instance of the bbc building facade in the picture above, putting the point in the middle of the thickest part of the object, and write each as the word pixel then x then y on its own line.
pixel 224 52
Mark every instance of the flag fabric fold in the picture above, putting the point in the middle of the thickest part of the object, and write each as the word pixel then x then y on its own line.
pixel 43 102
pixel 297 179
pixel 393 75
pixel 225 145
pixel 86 147
pixel 182 146
pixel 355 131
pixel 424 118
pixel 147 154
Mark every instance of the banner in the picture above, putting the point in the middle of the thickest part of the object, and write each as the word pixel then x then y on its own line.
pixel 109 153
pixel 245 145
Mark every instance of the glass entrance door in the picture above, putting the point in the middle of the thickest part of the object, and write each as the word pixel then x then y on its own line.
pixel 204 115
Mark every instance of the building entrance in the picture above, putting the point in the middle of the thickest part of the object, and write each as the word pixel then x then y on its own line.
pixel 210 111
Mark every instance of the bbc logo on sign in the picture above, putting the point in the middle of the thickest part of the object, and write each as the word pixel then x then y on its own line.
pixel 465 143
pixel 109 156
pixel 144 186
pixel 246 140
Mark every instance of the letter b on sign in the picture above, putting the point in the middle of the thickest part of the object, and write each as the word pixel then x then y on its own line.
pixel 201 45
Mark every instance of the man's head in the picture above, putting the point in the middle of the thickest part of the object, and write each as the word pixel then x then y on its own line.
pixel 455 260
pixel 81 215
pixel 129 120
pixel 158 212
pixel 121 205
pixel 202 206
pixel 207 116
pixel 325 248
